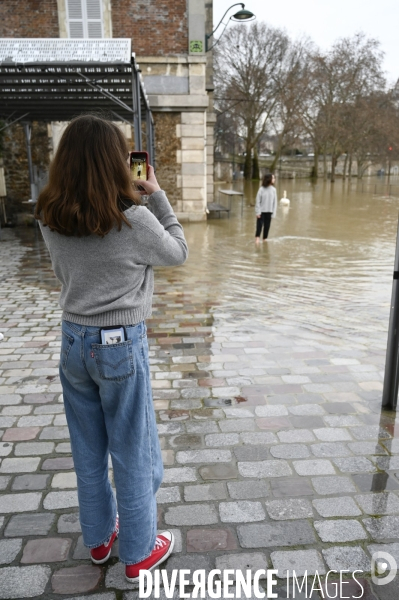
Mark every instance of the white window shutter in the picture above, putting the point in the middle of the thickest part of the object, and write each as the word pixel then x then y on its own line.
pixel 93 9
pixel 75 9
pixel 75 18
pixel 94 30
pixel 94 19
pixel 85 18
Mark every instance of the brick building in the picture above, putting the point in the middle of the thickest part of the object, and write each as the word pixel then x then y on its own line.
pixel 168 39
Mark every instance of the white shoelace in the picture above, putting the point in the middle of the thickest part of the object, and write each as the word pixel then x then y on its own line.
pixel 159 543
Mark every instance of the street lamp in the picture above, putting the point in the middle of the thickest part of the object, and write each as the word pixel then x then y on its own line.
pixel 220 133
pixel 389 163
pixel 241 15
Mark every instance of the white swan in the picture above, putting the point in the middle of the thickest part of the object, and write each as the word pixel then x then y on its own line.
pixel 284 200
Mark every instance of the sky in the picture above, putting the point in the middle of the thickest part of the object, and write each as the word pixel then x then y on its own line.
pixel 326 20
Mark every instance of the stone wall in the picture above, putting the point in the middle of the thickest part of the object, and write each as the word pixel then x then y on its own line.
pixel 157 27
pixel 167 146
pixel 30 18
pixel 16 162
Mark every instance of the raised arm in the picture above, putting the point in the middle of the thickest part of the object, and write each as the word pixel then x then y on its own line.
pixel 162 236
pixel 164 239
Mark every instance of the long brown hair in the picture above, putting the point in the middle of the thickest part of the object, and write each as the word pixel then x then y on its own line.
pixel 88 179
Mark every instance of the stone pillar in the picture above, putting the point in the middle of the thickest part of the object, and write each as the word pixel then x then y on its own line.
pixel 176 85
pixel 192 158
pixel 210 150
pixel 196 26
pixel 210 115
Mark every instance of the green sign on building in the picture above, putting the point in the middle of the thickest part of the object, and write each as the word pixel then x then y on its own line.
pixel 196 46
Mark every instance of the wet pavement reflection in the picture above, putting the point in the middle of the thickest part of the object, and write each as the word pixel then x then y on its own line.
pixel 267 365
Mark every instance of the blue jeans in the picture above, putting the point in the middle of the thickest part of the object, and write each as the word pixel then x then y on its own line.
pixel 109 410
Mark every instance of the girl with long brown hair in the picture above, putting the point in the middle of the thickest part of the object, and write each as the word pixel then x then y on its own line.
pixel 103 245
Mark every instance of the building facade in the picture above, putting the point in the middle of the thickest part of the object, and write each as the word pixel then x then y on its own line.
pixel 168 39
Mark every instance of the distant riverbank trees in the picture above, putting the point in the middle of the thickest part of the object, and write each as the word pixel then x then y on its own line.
pixel 336 100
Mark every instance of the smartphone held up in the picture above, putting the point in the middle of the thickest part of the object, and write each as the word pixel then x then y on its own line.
pixel 139 167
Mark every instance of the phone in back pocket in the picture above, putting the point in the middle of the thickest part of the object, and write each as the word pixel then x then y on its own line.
pixel 112 335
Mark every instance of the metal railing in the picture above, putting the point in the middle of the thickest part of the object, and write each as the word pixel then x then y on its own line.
pixel 380 188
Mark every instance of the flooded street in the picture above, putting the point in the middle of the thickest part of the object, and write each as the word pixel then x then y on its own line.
pixel 267 369
pixel 330 253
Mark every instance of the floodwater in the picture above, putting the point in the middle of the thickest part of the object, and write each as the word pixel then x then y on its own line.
pixel 329 255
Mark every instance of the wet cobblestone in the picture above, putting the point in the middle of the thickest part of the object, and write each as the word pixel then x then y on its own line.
pixel 276 452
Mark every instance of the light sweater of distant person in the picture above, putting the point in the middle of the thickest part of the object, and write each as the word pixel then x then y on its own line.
pixel 266 200
pixel 110 281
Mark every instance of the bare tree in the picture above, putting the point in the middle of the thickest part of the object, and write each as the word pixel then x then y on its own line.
pixel 384 115
pixel 266 83
pixel 338 79
pixel 248 65
pixel 292 87
pixel 227 136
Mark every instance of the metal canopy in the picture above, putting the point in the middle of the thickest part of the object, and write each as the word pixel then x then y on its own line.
pixel 60 92
pixel 58 79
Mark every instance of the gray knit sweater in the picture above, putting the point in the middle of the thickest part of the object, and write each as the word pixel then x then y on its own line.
pixel 110 281
pixel 266 200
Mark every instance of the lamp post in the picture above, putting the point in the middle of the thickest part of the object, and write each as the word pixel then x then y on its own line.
pixel 234 154
pixel 389 162
pixel 241 15
pixel 220 133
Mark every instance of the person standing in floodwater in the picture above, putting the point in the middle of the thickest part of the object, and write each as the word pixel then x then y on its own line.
pixel 265 206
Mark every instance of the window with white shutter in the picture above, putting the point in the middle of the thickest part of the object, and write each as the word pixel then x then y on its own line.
pixel 84 18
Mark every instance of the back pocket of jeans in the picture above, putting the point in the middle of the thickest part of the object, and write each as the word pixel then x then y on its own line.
pixel 115 361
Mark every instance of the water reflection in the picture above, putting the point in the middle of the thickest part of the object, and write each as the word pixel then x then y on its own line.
pixel 381 480
pixel 328 263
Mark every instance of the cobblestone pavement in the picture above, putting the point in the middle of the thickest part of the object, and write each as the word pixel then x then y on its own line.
pixel 276 452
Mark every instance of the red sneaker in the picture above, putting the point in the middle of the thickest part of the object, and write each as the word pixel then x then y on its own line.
pixel 102 553
pixel 163 548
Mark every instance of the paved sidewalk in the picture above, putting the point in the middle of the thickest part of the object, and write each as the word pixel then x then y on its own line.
pixel 275 449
